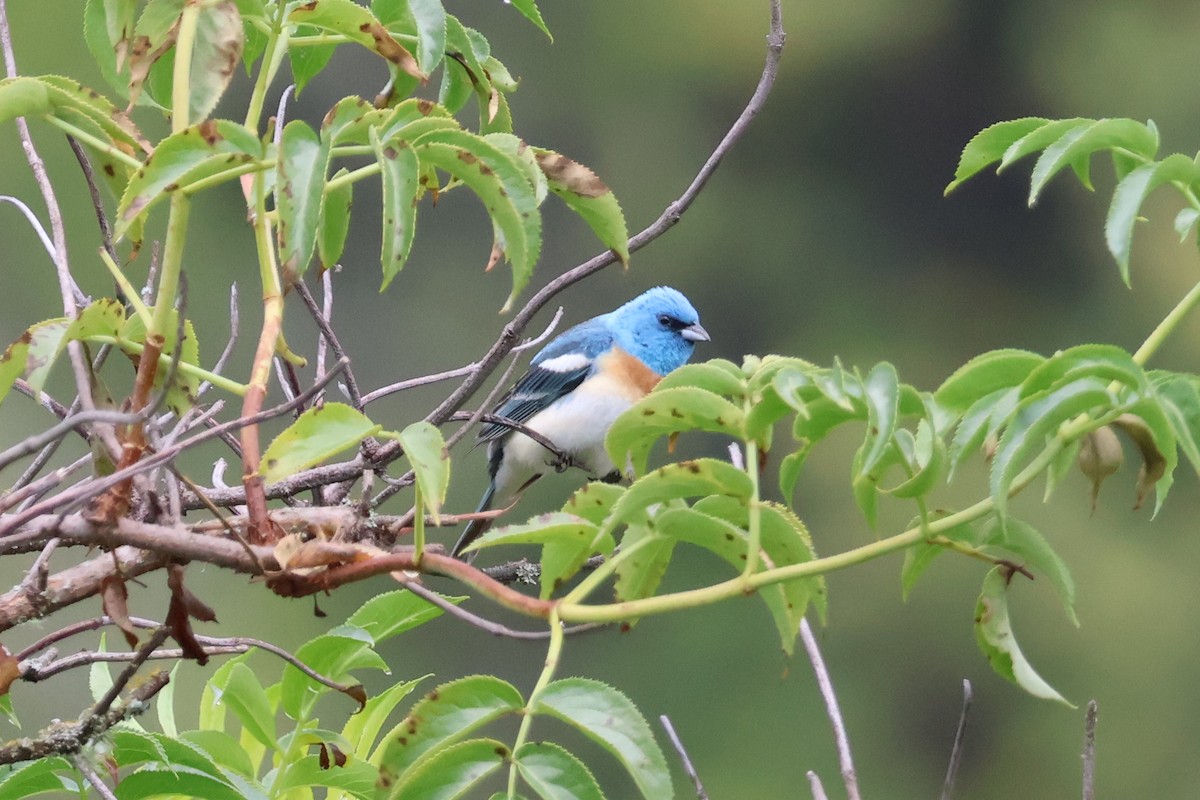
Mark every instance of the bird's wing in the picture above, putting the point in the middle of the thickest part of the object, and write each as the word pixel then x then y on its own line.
pixel 555 372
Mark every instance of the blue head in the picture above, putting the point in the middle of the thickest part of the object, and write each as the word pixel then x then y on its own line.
pixel 660 327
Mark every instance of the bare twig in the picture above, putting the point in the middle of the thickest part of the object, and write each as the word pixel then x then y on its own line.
pixel 34 222
pixel 815 786
pixel 1089 751
pixel 959 736
pixel 493 628
pixel 831 707
pixel 327 335
pixel 135 663
pixel 683 756
pixel 89 175
pixel 81 763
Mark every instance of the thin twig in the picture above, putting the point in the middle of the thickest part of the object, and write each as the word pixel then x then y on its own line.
pixel 831 707
pixel 959 735
pixel 1089 751
pixel 139 657
pixel 494 628
pixel 815 786
pixel 81 763
pixel 34 222
pixel 89 175
pixel 683 756
pixel 327 335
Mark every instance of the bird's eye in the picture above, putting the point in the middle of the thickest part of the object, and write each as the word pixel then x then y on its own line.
pixel 667 321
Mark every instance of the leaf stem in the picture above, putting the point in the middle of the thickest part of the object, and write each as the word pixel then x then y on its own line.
pixel 91 141
pixel 553 654
pixel 131 293
pixel 1167 326
pixel 164 360
pixel 350 177
pixel 276 47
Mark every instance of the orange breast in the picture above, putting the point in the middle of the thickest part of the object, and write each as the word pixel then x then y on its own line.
pixel 629 372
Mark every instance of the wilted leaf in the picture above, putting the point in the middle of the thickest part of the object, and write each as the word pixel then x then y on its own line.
pixel 586 195
pixel 357 24
pixel 993 632
pixel 10 670
pixel 114 599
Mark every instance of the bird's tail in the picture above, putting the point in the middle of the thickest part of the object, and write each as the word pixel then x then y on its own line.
pixel 476 527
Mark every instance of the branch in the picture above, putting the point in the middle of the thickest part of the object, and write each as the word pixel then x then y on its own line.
pixel 683 757
pixel 959 736
pixel 1089 751
pixel 831 706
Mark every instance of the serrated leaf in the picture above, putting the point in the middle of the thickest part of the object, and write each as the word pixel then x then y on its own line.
pixel 586 195
pixel 1035 552
pixel 164 705
pixel 568 541
pixel 926 464
pixel 38 777
pixel 1036 418
pixel 215 56
pixel 593 501
pixel 1147 424
pixel 1103 361
pixel 451 772
pixel 556 774
pixel 661 413
pixel 430 19
pixel 1078 143
pixel 918 557
pixel 154 780
pixel 356 776
pixel 529 10
pixel 362 729
pixel 986 415
pixel 881 390
pixel 224 750
pixel 994 634
pixel 400 176
pixel 1128 198
pixel 426 452
pixel 318 434
pixel 348 647
pixel 359 25
pixel 103 317
pixel 696 478
pixel 1185 222
pixel 607 717
pixel 712 376
pixel 139 747
pixel 989 145
pixel 245 696
pixel 449 713
pixel 985 374
pixel 1180 401
pixel 202 151
pixel 335 222
pixel 1040 138
pixel 640 573
pixel 299 192
pixel 309 60
pixel 500 182
pixel 46 341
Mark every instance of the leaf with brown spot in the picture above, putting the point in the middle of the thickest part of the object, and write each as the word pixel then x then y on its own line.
pixel 154 36
pixel 299 193
pixel 359 25
pixel 588 196
pixel 215 56
pixel 114 599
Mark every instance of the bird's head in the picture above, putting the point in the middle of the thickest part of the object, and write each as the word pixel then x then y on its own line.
pixel 660 327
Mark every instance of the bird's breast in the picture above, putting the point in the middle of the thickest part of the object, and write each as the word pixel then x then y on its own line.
pixel 625 374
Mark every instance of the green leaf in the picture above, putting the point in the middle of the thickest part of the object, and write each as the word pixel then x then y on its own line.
pixel 308 61
pixel 926 462
pixel 318 434
pixel 993 632
pixel 356 776
pixel 38 777
pixel 400 177
pixel 449 713
pixel 881 390
pixel 703 476
pixel 989 145
pixel 986 415
pixel 640 573
pixel 426 452
pixel 918 557
pixel 714 376
pixel 449 773
pixel 984 375
pixel 357 24
pixel 362 729
pixel 1081 141
pixel 529 10
pixel 430 19
pixel 1039 139
pixel 244 695
pixel 1180 401
pixel 500 182
pixel 164 704
pixel 1129 195
pixel 46 341
pixel 586 195
pixel 299 191
pixel 136 747
pixel 103 317
pixel 1035 552
pixel 607 717
pixel 23 97
pixel 1185 222
pixel 224 750
pixel 666 412
pixel 1036 418
pixel 568 541
pixel 107 24
pixel 594 501
pixel 70 101
pixel 1104 361
pixel 215 56
pixel 172 779
pixel 556 774
pixel 348 647
pixel 335 222
pixel 12 364
pixel 212 148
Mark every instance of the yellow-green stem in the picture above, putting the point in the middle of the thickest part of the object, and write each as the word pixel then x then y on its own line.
pixel 276 48
pixel 351 177
pixel 553 654
pixel 603 572
pixel 181 85
pixel 164 360
pixel 1167 326
pixel 131 293
pixel 91 141
pixel 172 265
pixel 418 524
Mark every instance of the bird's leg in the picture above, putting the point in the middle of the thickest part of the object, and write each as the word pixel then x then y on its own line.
pixel 613 477
pixel 563 462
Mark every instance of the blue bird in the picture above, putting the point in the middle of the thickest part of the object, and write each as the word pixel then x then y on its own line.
pixel 577 386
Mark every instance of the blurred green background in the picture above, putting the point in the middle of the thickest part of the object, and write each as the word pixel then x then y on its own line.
pixel 825 233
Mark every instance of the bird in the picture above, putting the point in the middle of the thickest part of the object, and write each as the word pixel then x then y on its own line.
pixel 576 387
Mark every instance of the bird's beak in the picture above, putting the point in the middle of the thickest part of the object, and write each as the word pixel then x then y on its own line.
pixel 695 333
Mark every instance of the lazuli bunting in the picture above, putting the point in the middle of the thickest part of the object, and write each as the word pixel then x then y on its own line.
pixel 575 388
